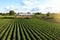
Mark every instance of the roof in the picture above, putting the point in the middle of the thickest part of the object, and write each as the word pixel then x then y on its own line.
pixel 25 14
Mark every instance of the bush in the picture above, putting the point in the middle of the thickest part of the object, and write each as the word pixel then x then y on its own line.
pixel 27 17
pixel 7 18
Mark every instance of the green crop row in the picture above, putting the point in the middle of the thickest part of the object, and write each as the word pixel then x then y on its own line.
pixel 28 29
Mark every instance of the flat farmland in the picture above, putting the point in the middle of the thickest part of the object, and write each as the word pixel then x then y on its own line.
pixel 28 29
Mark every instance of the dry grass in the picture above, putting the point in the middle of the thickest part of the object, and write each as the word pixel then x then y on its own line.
pixel 23 16
pixel 56 16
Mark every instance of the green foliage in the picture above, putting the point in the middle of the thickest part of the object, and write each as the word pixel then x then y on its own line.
pixel 11 12
pixel 6 17
pixel 48 14
pixel 27 18
pixel 37 13
pixel 0 13
pixel 28 12
pixel 7 14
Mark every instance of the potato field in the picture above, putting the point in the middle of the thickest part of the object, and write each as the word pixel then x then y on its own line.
pixel 28 29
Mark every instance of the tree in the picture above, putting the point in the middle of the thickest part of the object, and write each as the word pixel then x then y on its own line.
pixel 11 12
pixel 37 13
pixel 0 13
pixel 28 12
pixel 48 14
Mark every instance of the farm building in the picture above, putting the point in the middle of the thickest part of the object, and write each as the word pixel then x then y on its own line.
pixel 24 15
pixel 56 15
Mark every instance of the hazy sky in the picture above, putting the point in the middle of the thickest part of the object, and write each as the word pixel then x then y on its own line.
pixel 30 5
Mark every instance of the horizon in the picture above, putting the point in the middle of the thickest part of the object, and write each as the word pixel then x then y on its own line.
pixel 43 6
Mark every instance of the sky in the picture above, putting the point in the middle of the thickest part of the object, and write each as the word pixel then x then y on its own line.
pixel 30 5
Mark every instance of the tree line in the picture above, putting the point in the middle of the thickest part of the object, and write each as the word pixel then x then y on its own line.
pixel 10 13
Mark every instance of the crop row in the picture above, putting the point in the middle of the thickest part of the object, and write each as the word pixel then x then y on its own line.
pixel 28 29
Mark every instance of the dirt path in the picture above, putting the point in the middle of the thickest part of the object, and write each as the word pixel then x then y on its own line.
pixel 54 20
